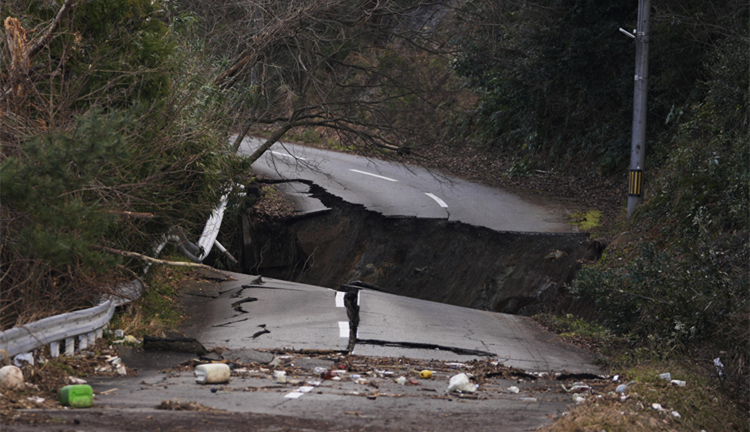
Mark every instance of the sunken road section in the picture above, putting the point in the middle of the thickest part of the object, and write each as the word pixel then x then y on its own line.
pixel 429 259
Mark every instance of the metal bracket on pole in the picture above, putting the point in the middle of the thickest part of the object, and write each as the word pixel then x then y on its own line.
pixel 627 33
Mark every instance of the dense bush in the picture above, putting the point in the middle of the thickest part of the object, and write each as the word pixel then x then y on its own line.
pixel 114 138
pixel 689 289
pixel 556 77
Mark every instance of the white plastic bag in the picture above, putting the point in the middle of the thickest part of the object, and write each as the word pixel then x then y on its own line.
pixel 461 383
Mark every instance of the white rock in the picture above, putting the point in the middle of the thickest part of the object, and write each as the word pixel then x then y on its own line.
pixel 74 380
pixel 11 377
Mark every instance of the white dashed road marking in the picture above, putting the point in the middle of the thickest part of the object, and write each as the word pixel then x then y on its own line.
pixel 344 329
pixel 340 299
pixel 440 202
pixel 374 175
pixel 286 155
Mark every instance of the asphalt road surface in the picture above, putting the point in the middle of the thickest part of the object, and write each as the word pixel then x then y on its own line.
pixel 398 190
pixel 283 326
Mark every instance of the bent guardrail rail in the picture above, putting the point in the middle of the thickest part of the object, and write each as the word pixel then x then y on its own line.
pixel 85 325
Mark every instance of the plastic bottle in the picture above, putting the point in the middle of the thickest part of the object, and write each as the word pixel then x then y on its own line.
pixel 280 376
pixel 212 373
pixel 77 396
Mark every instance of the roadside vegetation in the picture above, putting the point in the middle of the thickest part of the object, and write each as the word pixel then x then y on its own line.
pixel 112 134
pixel 555 86
pixel 114 119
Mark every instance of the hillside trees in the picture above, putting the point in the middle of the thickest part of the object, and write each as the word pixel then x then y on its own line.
pixel 556 77
pixel 111 135
pixel 358 68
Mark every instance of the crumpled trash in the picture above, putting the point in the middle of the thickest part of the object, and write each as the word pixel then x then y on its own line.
pixel 26 357
pixel 401 380
pixel 577 387
pixel 74 380
pixel 622 387
pixel 461 383
pixel 513 389
pixel 666 376
pixel 578 398
pixel 678 383
pixel 128 339
pixel 719 367
pixel 11 378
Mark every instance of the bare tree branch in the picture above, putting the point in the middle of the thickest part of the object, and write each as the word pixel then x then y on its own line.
pixel 47 36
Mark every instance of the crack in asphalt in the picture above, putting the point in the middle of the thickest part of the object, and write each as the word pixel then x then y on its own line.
pixel 428 346
pixel 237 306
pixel 352 311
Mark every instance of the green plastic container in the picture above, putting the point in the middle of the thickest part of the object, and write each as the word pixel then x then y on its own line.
pixel 77 396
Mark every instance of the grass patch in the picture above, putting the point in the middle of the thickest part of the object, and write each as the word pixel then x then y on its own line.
pixel 158 311
pixel 577 331
pixel 697 406
pixel 586 220
pixel 702 404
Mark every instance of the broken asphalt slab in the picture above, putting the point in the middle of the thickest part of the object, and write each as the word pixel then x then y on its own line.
pixel 288 315
pixel 302 319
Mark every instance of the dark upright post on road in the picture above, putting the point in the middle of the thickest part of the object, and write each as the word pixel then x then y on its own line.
pixel 638 147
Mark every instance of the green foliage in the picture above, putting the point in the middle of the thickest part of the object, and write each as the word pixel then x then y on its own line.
pixel 129 125
pixel 664 298
pixel 53 189
pixel 569 325
pixel 124 36
pixel 556 77
pixel 553 77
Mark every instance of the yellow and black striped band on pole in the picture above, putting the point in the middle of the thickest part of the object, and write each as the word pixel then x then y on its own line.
pixel 635 183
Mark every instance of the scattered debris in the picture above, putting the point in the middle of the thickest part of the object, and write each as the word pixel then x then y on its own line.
pixel 623 387
pixel 280 376
pixel 577 387
pixel 74 380
pixel 557 254
pixel 176 405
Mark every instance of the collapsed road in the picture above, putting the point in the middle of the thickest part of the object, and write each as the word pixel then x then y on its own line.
pixel 373 343
pixel 384 255
pixel 372 221
pixel 354 320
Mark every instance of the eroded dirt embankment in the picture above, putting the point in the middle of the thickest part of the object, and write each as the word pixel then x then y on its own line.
pixel 435 260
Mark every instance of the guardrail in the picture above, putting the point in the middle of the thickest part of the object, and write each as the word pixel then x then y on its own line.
pixel 85 325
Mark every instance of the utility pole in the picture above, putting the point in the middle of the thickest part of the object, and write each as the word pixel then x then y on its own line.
pixel 638 146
